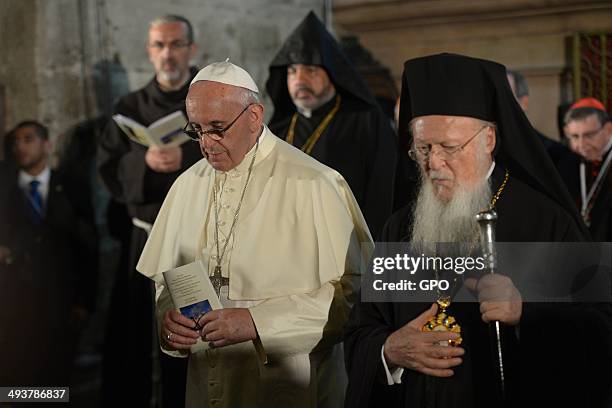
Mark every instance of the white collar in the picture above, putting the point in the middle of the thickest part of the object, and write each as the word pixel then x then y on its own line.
pixel 43 177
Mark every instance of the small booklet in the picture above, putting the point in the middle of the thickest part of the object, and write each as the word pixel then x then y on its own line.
pixel 193 295
pixel 167 131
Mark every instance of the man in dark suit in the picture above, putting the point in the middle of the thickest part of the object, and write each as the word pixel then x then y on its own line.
pixel 47 264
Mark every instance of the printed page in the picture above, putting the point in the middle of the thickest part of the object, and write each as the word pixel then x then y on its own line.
pixel 192 293
pixel 168 131
pixel 134 130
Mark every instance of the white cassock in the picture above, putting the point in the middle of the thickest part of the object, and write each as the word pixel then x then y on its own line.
pixel 294 260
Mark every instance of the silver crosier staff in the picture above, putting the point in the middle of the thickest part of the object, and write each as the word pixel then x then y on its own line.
pixel 486 221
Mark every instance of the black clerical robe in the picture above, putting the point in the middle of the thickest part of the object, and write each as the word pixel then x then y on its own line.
pixel 600 224
pixel 564 160
pixel 358 143
pixel 539 367
pixel 122 166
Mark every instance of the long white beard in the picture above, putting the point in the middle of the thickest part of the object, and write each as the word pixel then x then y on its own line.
pixel 434 221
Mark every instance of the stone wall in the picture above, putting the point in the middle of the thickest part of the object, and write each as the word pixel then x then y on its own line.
pixel 527 35
pixel 18 81
pixel 65 61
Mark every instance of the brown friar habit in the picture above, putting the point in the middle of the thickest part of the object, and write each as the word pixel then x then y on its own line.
pixel 122 167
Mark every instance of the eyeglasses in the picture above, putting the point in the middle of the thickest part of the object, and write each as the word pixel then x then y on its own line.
pixel 173 46
pixel 214 134
pixel 586 135
pixel 421 154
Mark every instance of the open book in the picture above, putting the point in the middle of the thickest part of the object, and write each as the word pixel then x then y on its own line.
pixel 167 131
pixel 193 295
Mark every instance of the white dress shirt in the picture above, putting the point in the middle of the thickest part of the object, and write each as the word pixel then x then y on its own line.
pixel 43 178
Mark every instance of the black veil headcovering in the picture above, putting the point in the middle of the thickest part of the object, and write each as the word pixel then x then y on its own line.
pixel 311 44
pixel 457 85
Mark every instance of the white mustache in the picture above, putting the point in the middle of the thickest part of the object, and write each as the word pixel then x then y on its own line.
pixel 436 175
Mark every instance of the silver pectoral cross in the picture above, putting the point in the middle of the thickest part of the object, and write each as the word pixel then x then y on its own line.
pixel 218 280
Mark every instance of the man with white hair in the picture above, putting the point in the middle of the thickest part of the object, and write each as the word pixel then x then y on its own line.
pixel 475 151
pixel 140 177
pixel 286 234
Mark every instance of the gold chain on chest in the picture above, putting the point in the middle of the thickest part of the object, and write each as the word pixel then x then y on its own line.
pixel 318 132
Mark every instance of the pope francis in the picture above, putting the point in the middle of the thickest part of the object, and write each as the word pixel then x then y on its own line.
pixel 284 241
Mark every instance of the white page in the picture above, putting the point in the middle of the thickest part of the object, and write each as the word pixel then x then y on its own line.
pixel 168 131
pixel 133 130
pixel 192 293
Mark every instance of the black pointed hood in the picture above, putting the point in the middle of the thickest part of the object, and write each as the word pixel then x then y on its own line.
pixel 311 44
pixel 456 85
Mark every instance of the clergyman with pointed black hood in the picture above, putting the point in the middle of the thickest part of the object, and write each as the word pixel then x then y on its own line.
pixel 323 107
pixel 476 150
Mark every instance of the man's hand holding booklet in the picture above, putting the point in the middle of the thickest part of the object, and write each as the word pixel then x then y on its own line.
pixel 194 295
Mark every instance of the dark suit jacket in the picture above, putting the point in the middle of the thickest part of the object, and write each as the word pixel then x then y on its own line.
pixel 51 267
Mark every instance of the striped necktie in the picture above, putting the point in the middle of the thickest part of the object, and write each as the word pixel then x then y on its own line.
pixel 35 202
